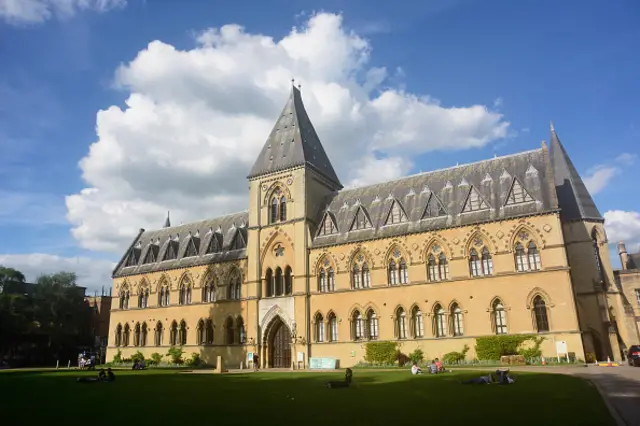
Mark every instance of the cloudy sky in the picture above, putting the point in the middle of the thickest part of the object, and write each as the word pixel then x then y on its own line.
pixel 114 111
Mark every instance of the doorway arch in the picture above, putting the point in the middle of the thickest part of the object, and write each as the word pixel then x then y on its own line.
pixel 278 344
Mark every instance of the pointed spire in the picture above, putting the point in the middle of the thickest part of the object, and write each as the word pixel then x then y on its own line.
pixel 293 142
pixel 167 222
pixel 574 199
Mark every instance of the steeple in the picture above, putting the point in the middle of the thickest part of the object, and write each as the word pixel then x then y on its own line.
pixel 574 199
pixel 167 222
pixel 294 142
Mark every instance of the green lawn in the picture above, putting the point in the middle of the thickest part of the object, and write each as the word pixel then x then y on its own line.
pixel 164 397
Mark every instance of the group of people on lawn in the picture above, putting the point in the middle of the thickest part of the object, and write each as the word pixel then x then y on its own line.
pixel 434 368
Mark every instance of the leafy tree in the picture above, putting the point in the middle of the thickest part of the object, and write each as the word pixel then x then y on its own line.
pixel 10 275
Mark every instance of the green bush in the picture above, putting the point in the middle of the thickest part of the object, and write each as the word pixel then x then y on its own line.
pixel 401 359
pixel 117 358
pixel 156 358
pixel 533 351
pixel 137 357
pixel 455 357
pixel 194 361
pixel 380 352
pixel 493 347
pixel 416 356
pixel 175 355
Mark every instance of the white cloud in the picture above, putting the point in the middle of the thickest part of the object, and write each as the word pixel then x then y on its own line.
pixel 598 177
pixel 91 273
pixel 195 120
pixel 623 226
pixel 36 11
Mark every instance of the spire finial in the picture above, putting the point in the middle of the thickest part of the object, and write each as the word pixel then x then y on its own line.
pixel 293 81
pixel 167 223
pixel 551 126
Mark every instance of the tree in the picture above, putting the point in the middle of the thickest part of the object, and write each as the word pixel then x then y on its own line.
pixel 8 275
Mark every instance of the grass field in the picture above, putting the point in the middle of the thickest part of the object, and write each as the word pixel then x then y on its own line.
pixel 165 397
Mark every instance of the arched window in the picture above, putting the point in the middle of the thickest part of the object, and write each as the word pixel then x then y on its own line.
pixel 173 334
pixel 540 314
pixel 182 333
pixel 136 335
pixel 474 263
pixel 229 331
pixel 209 332
pixel 143 335
pixel 143 297
pixel 124 298
pixel 333 327
pixel 499 317
pixel 234 286
pixel 404 273
pixel 322 281
pixel 209 292
pixel 358 325
pixel 269 283
pixel 534 256
pixel 393 273
pixel 366 277
pixel 401 323
pixel 418 326
pixel 319 325
pixel 521 259
pixel 163 296
pixel 487 262
pixel 158 334
pixel 279 284
pixel 372 321
pixel 273 216
pixel 125 335
pixel 432 269
pixel 185 293
pixel 443 266
pixel 119 335
pixel 201 333
pixel 356 283
pixel 288 281
pixel 331 286
pixel 457 321
pixel 283 208
pixel 242 335
pixel 439 321
pixel 596 254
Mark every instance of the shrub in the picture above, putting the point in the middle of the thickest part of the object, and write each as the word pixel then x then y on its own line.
pixel 175 355
pixel 117 358
pixel 590 357
pixel 137 357
pixel 455 357
pixel 532 350
pixel 401 358
pixel 416 356
pixel 156 358
pixel 380 352
pixel 493 347
pixel 194 361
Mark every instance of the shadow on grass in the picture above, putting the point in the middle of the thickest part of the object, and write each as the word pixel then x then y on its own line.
pixel 375 398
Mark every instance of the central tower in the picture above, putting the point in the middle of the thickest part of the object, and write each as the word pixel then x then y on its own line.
pixel 288 183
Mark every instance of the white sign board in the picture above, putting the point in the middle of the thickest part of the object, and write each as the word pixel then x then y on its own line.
pixel 300 356
pixel 561 347
pixel 250 356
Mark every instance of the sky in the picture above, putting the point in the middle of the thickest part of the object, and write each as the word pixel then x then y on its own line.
pixel 113 112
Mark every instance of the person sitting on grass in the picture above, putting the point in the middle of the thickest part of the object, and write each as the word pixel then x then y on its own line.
pixel 415 369
pixel 102 375
pixel 439 366
pixel 110 376
pixel 433 368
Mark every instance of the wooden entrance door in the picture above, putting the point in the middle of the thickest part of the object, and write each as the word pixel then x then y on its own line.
pixel 281 347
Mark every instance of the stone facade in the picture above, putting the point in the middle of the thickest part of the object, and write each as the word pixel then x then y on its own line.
pixel 431 261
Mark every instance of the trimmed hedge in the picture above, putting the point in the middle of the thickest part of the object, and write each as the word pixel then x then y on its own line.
pixel 381 352
pixel 493 347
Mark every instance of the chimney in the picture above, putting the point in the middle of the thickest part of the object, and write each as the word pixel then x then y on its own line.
pixel 624 257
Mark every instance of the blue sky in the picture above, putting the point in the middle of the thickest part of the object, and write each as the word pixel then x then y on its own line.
pixel 527 62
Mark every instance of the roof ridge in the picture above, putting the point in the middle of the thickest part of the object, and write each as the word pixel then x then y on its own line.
pixel 186 225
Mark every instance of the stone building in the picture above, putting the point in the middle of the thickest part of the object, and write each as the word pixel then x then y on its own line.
pixel 513 244
pixel 100 313
pixel 628 282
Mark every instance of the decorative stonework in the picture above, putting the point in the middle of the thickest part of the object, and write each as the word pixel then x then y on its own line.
pixel 500 234
pixel 436 249
pixel 547 228
pixel 415 246
pixel 289 181
pixel 478 242
pixel 455 241
pixel 523 235
pixel 342 256
pixel 377 251
pixel 278 250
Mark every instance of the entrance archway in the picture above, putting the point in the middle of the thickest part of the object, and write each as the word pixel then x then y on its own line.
pixel 279 345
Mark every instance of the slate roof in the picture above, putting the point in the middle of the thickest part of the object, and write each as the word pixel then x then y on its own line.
pixel 294 142
pixel 224 228
pixel 634 261
pixel 573 197
pixel 493 179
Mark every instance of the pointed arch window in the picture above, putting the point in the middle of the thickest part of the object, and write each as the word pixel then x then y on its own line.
pixel 401 323
pixel 229 332
pixel 118 336
pixel 209 332
pixel 182 333
pixel 209 292
pixel 457 320
pixel 475 263
pixel 499 317
pixel 279 282
pixel 439 321
pixel 322 281
pixel 273 214
pixel 136 335
pixel 331 279
pixel 269 283
pixel 288 281
pixel 333 327
pixel 319 328
pixel 124 298
pixel 163 296
pixel 358 325
pixel 596 255
pixel 143 297
pixel 521 259
pixel 201 333
pixel 125 335
pixel 184 297
pixel 487 262
pixel 372 322
pixel 242 335
pixel 234 286
pixel 173 334
pixel 143 334
pixel 355 277
pixel 366 276
pixel 283 208
pixel 540 314
pixel 432 269
pixel 534 256
pixel 158 334
pixel 393 273
pixel 443 267
pixel 403 272
pixel 418 325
